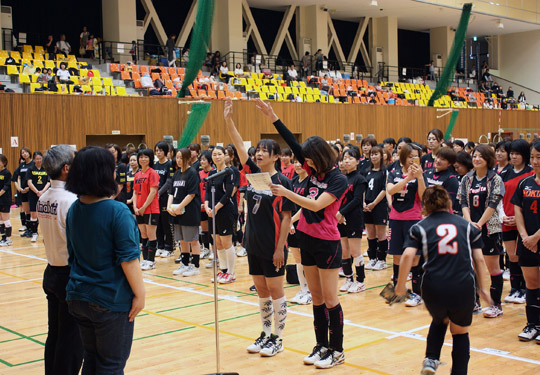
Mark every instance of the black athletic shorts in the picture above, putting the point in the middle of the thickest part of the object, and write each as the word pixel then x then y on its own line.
pixel 32 201
pixel 5 209
pixel 225 221
pixel 259 266
pixel 526 257
pixel 351 229
pixel 325 254
pixel 398 231
pixel 492 243
pixel 204 216
pixel 292 240
pixel 148 219
pixel 24 196
pixel 510 235
pixel 441 307
pixel 379 216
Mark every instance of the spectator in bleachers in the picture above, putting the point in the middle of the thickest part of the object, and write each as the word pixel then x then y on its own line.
pixel 216 62
pixel 171 54
pixel 133 51
pixel 83 40
pixel 510 93
pixel 64 75
pixel 319 60
pixel 97 54
pixel 90 47
pixel 292 74
pixel 325 85
pixel 486 77
pixel 224 71
pixel 50 47
pixel 238 71
pixel 185 56
pixel 208 62
pixel 521 98
pixel 306 62
pixel 432 71
pixel 62 46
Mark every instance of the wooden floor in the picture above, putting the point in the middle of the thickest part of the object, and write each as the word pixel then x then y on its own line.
pixel 175 332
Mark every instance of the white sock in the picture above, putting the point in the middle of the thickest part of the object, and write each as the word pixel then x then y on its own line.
pixel 302 278
pixel 231 260
pixel 267 311
pixel 359 261
pixel 222 257
pixel 280 315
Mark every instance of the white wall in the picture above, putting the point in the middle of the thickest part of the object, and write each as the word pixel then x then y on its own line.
pixel 519 56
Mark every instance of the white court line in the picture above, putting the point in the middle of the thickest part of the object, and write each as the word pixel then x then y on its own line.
pixel 22 255
pixel 409 334
pixel 21 281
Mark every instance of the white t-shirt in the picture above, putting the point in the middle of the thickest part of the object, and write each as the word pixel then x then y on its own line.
pixel 63 74
pixel 238 71
pixel 292 73
pixel 52 210
pixel 63 46
pixel 224 70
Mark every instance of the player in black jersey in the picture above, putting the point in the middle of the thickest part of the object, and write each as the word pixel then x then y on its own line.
pixel 130 178
pixel 435 140
pixel 319 243
pixel 268 223
pixel 164 169
pixel 299 184
pixel 450 246
pixel 351 222
pixel 5 202
pixel 481 193
pixel 502 155
pixel 526 202
pixel 376 211
pixel 121 171
pixel 367 144
pixel 225 217
pixel 38 182
pixel 442 174
pixel 22 188
pixel 184 205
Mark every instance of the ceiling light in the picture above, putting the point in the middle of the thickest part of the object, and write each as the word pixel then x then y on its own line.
pixel 374 3
pixel 500 25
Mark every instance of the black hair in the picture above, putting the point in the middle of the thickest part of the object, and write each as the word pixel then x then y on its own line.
pixel 92 173
pixel 286 151
pixel 448 143
pixel 465 159
pixel 370 139
pixel 4 160
pixel 117 148
pixel 124 159
pixel 273 149
pixel 207 155
pixel 523 148
pixel 404 139
pixel 336 149
pixel 536 145
pixel 320 152
pixel 390 141
pixel 186 158
pixel 437 133
pixel 195 147
pixel 487 154
pixel 148 152
pixel 470 144
pixel 36 153
pixel 163 146
pixel 460 143
pixel 505 145
pixel 351 152
pixel 235 160
pixel 447 154
pixel 251 151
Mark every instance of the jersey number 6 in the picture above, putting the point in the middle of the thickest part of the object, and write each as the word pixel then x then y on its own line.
pixel 448 232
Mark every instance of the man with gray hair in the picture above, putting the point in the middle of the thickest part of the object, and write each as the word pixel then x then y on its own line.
pixel 63 348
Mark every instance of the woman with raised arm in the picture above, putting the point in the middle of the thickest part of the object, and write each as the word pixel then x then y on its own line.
pixel 319 238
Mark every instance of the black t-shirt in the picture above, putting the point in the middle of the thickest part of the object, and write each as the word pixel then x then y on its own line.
pixel 165 171
pixel 300 188
pixel 38 177
pixel 5 184
pixel 527 197
pixel 184 184
pixel 504 170
pixel 446 241
pixel 363 166
pixel 130 178
pixel 477 198
pixel 121 175
pixel 376 182
pixel 403 200
pixel 23 169
pixel 353 200
pixel 428 161
pixel 447 179
pixel 224 189
pixel 264 217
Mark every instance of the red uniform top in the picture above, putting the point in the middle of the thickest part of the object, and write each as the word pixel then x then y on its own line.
pixel 142 184
pixel 202 185
pixel 511 181
pixel 242 186
pixel 288 171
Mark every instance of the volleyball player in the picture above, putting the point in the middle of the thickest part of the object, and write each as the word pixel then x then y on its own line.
pixel 146 206
pixel 366 145
pixel 319 238
pixel 267 227
pixel 502 155
pixel 120 171
pixel 527 201
pixel 38 182
pixel 164 169
pixel 376 211
pixel 205 162
pixel 405 185
pixel 434 140
pixel 481 193
pixel 450 246
pixel 287 167
pixel 225 217
pixel 195 149
pixel 442 173
pixel 5 202
pixel 299 186
pixel 351 222
pixel 184 205
pixel 130 179
pixel 22 187
pixel 520 155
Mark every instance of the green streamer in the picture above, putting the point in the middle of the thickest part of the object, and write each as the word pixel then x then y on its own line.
pixel 196 118
pixel 450 69
pixel 200 39
pixel 451 124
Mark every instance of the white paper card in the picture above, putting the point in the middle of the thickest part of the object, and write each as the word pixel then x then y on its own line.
pixel 259 181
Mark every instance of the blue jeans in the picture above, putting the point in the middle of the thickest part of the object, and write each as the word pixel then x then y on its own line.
pixel 106 335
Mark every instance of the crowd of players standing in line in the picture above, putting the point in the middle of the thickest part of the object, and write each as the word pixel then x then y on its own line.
pixel 321 199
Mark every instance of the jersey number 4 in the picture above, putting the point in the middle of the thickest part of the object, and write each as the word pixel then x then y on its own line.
pixel 534 207
pixel 447 232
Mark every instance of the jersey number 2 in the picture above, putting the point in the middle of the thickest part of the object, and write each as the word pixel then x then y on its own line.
pixel 448 232
pixel 39 180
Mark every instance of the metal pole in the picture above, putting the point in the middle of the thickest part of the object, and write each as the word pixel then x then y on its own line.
pixel 216 310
